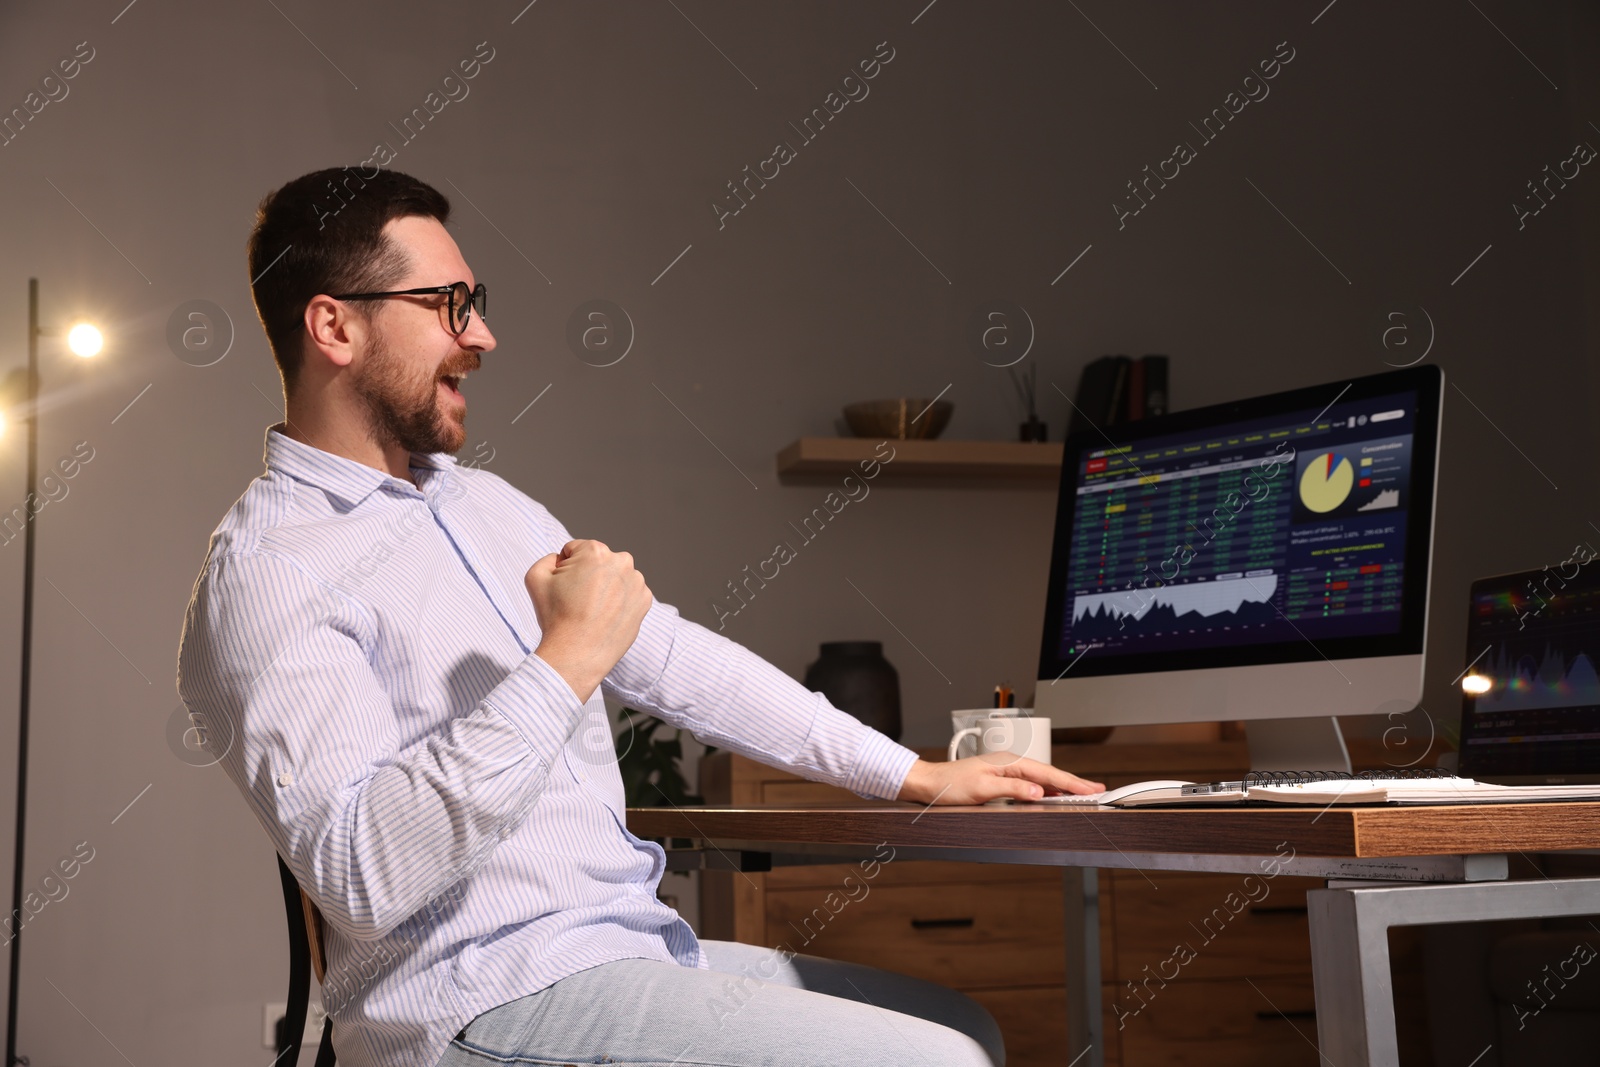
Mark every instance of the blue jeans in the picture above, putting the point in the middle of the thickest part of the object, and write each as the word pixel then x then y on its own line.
pixel 755 1007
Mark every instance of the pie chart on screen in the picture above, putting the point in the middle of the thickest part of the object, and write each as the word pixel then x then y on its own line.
pixel 1326 482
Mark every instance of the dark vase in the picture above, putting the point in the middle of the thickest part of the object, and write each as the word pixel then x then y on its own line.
pixel 855 678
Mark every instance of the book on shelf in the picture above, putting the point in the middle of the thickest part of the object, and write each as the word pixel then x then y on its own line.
pixel 1155 385
pixel 1116 389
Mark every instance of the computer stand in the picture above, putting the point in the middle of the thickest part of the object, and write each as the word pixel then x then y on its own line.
pixel 1309 744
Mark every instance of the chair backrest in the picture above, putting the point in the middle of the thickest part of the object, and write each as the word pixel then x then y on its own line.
pixel 314 935
pixel 305 953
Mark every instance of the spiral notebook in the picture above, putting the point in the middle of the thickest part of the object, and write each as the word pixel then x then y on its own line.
pixel 1423 786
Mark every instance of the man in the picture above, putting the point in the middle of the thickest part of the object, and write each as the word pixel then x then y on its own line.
pixel 408 656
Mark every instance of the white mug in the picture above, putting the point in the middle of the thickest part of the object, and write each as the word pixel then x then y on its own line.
pixel 962 718
pixel 1002 730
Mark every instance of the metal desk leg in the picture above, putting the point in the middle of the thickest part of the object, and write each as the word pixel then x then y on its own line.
pixel 1350 948
pixel 1350 969
pixel 1084 1034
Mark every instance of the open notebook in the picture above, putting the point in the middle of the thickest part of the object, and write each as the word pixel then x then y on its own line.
pixel 1324 788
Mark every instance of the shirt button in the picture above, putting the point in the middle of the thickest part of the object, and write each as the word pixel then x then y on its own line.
pixel 507 832
pixel 285 779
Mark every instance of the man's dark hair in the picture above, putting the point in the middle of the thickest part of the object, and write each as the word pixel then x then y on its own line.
pixel 323 233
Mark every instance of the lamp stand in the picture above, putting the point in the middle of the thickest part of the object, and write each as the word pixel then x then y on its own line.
pixel 31 407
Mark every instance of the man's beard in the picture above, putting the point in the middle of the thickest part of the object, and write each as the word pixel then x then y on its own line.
pixel 403 406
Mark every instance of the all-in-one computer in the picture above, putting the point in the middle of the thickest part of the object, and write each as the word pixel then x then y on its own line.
pixel 1265 560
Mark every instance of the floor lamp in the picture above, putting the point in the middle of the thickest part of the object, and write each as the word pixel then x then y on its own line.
pixel 22 395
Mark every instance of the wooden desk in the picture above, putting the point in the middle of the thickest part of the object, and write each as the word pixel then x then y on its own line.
pixel 1385 867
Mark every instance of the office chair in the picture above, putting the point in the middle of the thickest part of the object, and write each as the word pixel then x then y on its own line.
pixel 305 953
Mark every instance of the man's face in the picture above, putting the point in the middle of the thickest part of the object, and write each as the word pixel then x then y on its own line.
pixel 408 375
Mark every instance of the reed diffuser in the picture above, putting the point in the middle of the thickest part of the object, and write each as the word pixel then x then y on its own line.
pixel 1027 386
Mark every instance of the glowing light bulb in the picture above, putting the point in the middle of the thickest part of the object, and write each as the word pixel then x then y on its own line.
pixel 1476 684
pixel 85 340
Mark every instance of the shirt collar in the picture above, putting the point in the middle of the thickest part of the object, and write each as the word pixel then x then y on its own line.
pixel 349 481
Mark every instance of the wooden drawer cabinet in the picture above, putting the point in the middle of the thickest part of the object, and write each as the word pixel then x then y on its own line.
pixel 962 936
pixel 914 872
pixel 1211 965
pixel 1214 917
pixel 1034 1021
pixel 797 791
pixel 1199 1023
pixel 996 931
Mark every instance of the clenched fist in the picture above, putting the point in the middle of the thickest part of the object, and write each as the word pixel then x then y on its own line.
pixel 590 602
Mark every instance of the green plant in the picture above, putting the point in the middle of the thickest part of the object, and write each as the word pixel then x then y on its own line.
pixel 648 756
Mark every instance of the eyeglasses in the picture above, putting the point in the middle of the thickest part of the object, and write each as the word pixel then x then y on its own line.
pixel 462 301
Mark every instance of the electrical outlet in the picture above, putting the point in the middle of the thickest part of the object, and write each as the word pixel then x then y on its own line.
pixel 272 1012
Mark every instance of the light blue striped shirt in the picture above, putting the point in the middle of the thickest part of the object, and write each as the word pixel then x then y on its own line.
pixel 360 649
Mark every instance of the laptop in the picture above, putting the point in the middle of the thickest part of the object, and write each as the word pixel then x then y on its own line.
pixel 1531 694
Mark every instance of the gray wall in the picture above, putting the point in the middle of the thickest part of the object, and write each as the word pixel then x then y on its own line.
pixel 596 140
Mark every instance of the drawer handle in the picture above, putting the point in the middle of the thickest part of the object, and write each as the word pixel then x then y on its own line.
pixel 1269 1016
pixel 941 924
pixel 1285 910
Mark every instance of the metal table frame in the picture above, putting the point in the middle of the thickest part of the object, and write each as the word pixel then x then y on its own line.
pixel 1349 920
pixel 1350 947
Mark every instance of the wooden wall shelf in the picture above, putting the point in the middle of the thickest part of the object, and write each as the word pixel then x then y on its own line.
pixel 1012 463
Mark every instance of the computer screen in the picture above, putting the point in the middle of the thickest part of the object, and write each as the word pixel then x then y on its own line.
pixel 1284 529
pixel 1531 709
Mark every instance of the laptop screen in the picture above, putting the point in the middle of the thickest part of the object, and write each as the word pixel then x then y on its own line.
pixel 1531 709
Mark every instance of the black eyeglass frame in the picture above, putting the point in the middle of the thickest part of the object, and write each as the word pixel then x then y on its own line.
pixel 477 297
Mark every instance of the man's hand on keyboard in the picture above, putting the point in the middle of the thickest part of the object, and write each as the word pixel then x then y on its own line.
pixel 979 779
